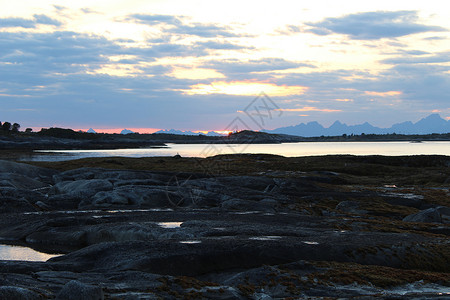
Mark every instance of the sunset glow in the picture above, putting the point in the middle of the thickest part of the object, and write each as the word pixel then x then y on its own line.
pixel 244 89
pixel 192 65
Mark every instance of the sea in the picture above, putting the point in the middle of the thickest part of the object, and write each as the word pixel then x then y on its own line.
pixel 284 149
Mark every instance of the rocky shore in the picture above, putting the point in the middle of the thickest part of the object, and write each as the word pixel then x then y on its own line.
pixel 228 227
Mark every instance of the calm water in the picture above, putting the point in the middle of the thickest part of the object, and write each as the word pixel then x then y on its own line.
pixel 8 252
pixel 286 149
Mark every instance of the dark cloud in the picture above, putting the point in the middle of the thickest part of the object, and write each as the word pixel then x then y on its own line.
pixel 373 25
pixel 28 23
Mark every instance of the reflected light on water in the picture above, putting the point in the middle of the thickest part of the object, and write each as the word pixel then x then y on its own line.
pixel 170 224
pixel 285 149
pixel 8 252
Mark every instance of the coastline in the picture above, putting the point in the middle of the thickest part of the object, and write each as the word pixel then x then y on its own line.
pixel 245 226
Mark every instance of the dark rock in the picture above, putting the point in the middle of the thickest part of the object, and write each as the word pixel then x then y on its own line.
pixel 42 205
pixel 139 196
pixel 11 204
pixel 20 182
pixel 352 207
pixel 18 293
pixel 40 174
pixel 407 200
pixel 431 215
pixel 240 205
pixel 82 188
pixel 75 290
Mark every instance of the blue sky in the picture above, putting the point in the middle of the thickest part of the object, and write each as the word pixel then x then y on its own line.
pixel 197 65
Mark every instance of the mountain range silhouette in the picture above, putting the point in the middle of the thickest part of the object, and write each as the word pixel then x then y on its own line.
pixel 431 124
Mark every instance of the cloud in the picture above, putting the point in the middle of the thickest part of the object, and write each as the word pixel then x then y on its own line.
pixel 177 26
pixel 308 108
pixel 236 67
pixel 244 88
pixel 17 22
pixel 203 30
pixel 221 45
pixel 435 38
pixel 43 19
pixel 28 23
pixel 383 94
pixel 154 19
pixel 442 57
pixel 289 30
pixel 373 25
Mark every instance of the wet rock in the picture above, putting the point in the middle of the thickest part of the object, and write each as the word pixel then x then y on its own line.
pixel 75 290
pixel 431 215
pixel 18 293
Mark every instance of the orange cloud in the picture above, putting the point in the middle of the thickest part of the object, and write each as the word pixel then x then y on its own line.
pixel 383 94
pixel 309 108
pixel 344 100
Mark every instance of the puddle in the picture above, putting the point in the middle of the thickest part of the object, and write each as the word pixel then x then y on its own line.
pixel 9 252
pixel 310 243
pixel 190 242
pixel 170 224
pixel 265 238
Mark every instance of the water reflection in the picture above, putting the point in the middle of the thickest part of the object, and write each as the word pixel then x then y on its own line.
pixel 8 252
pixel 170 225
pixel 286 149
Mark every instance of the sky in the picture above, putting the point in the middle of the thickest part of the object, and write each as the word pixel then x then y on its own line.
pixel 222 65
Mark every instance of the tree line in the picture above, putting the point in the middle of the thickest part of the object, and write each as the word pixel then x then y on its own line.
pixel 7 127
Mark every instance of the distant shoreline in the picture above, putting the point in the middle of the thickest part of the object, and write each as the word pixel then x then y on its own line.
pixel 22 143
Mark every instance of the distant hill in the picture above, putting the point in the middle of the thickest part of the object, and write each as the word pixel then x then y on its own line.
pixel 91 131
pixel 431 124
